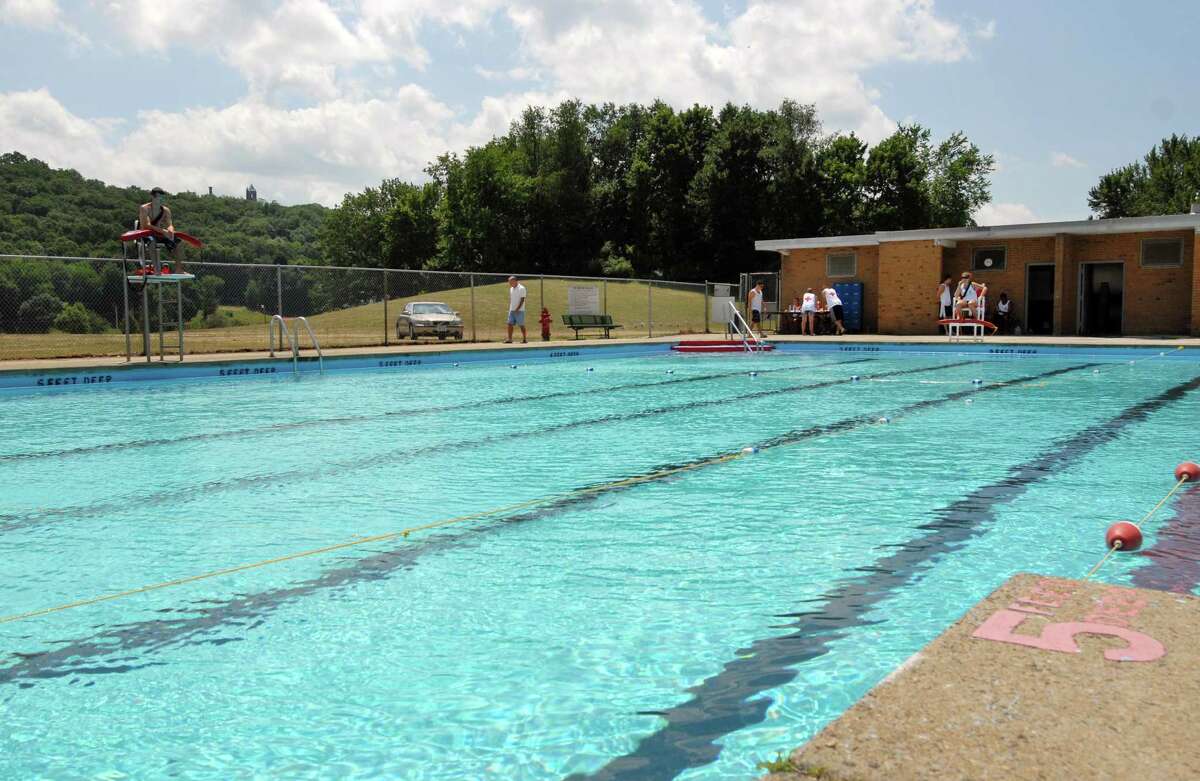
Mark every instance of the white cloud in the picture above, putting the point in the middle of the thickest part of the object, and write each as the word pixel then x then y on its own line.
pixel 1004 214
pixel 512 74
pixel 627 50
pixel 1064 160
pixel 39 15
pixel 294 155
pixel 322 115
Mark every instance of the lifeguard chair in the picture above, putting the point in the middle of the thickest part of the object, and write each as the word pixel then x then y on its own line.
pixel 973 328
pixel 143 269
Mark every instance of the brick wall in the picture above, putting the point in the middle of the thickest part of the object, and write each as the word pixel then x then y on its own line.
pixel 1196 283
pixel 901 278
pixel 1011 279
pixel 805 268
pixel 909 273
pixel 1157 300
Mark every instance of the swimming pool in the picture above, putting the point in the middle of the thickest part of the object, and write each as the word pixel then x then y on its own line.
pixel 655 604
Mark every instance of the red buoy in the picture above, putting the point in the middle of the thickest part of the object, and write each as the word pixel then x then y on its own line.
pixel 1188 470
pixel 1126 533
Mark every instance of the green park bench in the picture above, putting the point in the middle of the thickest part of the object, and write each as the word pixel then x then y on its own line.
pixel 579 322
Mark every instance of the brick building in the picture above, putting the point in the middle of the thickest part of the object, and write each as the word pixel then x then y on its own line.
pixel 1132 276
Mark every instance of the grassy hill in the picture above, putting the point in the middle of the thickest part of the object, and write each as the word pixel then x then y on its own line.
pixel 676 310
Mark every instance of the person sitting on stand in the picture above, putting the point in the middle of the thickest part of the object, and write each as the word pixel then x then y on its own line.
pixel 966 297
pixel 156 217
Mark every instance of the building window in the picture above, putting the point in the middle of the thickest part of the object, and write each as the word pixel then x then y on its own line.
pixel 1159 253
pixel 989 259
pixel 841 265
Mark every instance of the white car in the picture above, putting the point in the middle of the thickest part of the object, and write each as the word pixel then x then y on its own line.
pixel 428 318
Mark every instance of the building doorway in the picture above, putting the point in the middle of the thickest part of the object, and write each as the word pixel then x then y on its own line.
pixel 1039 299
pixel 1101 299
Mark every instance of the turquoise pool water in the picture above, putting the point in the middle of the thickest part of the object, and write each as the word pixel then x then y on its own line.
pixel 686 624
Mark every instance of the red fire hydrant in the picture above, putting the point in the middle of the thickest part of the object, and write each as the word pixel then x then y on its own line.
pixel 545 319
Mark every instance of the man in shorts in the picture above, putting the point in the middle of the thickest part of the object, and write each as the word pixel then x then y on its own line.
pixel 516 309
pixel 834 303
pixel 155 216
pixel 754 302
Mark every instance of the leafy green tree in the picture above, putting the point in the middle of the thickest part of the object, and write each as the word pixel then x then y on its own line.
pixel 895 181
pixel 37 314
pixel 1166 181
pixel 410 229
pixel 78 319
pixel 959 182
pixel 207 290
pixel 841 179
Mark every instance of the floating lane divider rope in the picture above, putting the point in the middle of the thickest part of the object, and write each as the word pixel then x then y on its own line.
pixel 1127 535
pixel 401 534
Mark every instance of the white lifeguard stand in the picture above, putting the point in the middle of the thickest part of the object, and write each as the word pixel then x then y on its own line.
pixel 142 268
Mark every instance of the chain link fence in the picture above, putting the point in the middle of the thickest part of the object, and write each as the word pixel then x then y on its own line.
pixel 53 307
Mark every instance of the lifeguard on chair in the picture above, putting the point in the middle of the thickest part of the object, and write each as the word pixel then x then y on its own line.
pixel 155 228
pixel 970 310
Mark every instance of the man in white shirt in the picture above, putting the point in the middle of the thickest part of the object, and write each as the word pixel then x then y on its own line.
pixel 833 302
pixel 516 309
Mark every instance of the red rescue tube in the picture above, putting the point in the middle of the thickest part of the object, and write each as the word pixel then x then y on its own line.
pixel 970 321
pixel 1124 535
pixel 1189 471
pixel 146 233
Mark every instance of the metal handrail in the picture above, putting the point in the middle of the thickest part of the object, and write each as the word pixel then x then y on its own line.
pixel 311 335
pixel 285 336
pixel 748 336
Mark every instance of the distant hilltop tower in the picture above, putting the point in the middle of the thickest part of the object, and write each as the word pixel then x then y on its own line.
pixel 251 193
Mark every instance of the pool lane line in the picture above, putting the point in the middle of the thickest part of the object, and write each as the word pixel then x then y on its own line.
pixel 162 633
pixel 722 704
pixel 15 521
pixel 349 419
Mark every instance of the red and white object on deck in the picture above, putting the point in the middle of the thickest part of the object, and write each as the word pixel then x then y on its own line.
pixel 717 346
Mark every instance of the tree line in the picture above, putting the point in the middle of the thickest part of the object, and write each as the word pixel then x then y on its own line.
pixel 631 190
pixel 651 191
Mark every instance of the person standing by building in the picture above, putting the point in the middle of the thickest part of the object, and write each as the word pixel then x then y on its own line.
pixel 516 309
pixel 808 312
pixel 834 303
pixel 945 301
pixel 754 303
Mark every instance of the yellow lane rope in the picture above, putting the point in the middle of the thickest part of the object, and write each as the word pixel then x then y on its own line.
pixel 1117 545
pixel 1156 507
pixel 403 533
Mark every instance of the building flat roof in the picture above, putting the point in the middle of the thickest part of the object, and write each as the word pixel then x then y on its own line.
pixel 1165 222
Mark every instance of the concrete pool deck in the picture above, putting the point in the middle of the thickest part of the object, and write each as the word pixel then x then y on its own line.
pixel 1046 678
pixel 111 362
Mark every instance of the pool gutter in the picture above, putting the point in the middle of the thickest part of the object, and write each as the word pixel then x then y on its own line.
pixel 82 373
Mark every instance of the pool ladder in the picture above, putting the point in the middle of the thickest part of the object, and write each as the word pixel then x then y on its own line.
pixel 750 342
pixel 293 339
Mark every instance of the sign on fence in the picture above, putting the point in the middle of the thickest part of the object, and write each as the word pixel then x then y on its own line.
pixel 584 300
pixel 720 308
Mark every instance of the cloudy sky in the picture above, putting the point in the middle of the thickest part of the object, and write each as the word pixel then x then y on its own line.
pixel 309 99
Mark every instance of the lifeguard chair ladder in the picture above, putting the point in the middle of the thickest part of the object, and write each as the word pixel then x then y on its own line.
pixel 143 269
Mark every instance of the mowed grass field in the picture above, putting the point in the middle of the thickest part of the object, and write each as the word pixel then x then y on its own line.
pixel 668 310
